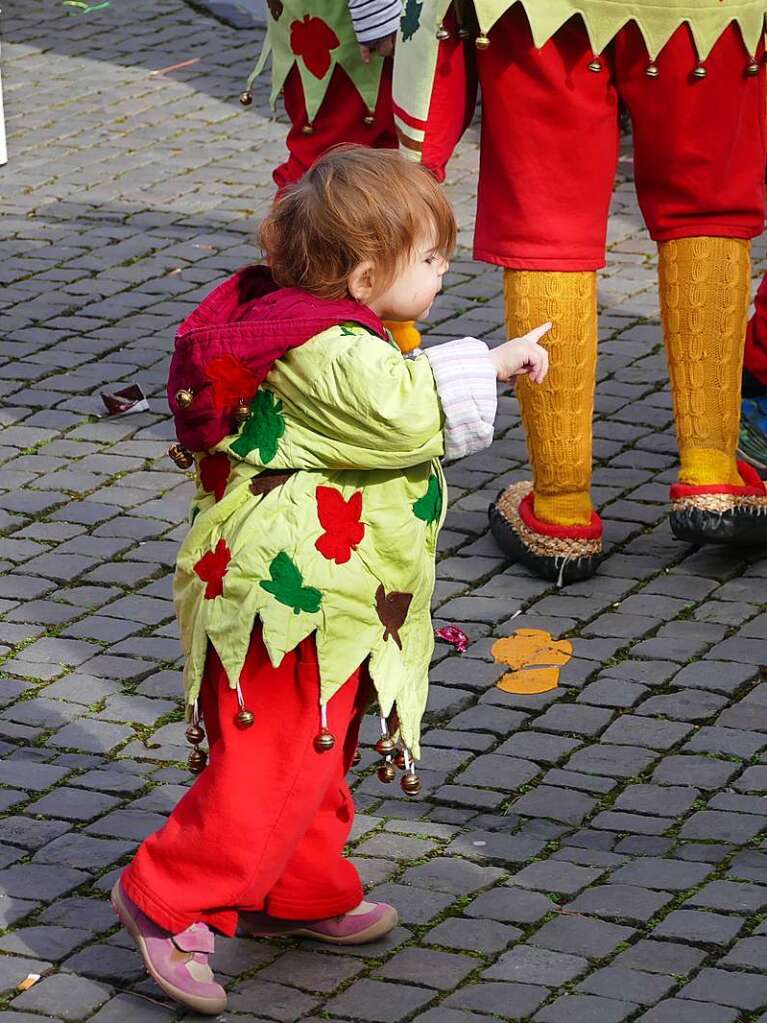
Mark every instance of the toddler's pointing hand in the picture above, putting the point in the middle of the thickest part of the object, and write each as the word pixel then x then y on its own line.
pixel 522 355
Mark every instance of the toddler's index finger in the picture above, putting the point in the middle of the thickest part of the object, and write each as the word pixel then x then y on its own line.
pixel 537 333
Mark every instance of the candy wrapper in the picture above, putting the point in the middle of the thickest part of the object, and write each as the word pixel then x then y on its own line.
pixel 453 635
pixel 130 399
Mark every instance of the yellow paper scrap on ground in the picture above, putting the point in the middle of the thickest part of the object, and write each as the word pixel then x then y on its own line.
pixel 535 657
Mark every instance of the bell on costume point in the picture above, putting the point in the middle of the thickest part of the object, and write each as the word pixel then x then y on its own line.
pixel 308 129
pixel 244 718
pixel 195 734
pixel 369 118
pixel 324 740
pixel 180 455
pixel 357 757
pixel 595 65
pixel 385 745
pixel 482 42
pixel 184 397
pixel 242 412
pixel 442 33
pixel 411 784
pixel 198 758
pixel 246 98
pixel 753 68
pixel 399 760
pixel 652 70
pixel 700 71
pixel 387 772
pixel 463 33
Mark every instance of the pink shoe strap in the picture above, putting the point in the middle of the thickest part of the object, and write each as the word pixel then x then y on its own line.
pixel 196 938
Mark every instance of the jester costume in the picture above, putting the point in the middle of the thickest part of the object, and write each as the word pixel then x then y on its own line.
pixel 552 75
pixel 303 587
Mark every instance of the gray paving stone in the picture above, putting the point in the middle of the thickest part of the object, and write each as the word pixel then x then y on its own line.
pixel 51 943
pixel 441 970
pixel 710 929
pixel 68 996
pixel 499 849
pixel 131 1007
pixel 731 896
pixel 738 828
pixel 507 1001
pixel 594 939
pixel 75 850
pixel 633 986
pixel 584 1009
pixel 699 772
pixel 558 804
pixel 46 882
pixel 660 957
pixel 13 969
pixel 620 902
pixel 611 761
pixel 73 804
pixel 538 747
pixel 415 905
pixel 379 1001
pixel 748 953
pixel 498 772
pixel 284 1003
pixel 455 877
pixel 677 1010
pixel 744 991
pixel 661 874
pixel 552 876
pixel 637 731
pixel 511 905
pixel 526 964
pixel 485 936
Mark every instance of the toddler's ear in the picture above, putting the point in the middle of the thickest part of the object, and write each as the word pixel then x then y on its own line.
pixel 361 282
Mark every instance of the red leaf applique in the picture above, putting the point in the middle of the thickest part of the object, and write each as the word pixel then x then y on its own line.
pixel 341 521
pixel 211 568
pixel 313 39
pixel 214 474
pixel 231 380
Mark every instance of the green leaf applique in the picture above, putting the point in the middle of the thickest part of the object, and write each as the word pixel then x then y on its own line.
pixel 262 429
pixel 429 507
pixel 411 19
pixel 287 586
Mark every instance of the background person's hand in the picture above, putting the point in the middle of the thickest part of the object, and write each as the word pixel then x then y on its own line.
pixel 383 47
pixel 522 355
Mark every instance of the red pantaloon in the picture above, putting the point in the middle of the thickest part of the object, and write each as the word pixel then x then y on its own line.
pixel 550 142
pixel 264 826
pixel 341 118
pixel 755 361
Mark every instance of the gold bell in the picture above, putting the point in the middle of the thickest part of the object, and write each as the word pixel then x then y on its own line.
pixel 442 33
pixel 198 758
pixel 399 760
pixel 652 70
pixel 411 784
pixel 308 129
pixel 181 456
pixel 385 746
pixel 482 42
pixel 753 67
pixel 195 734
pixel 242 412
pixel 357 757
pixel 244 718
pixel 324 740
pixel 369 118
pixel 595 66
pixel 184 397
pixel 387 773
pixel 701 71
pixel 246 98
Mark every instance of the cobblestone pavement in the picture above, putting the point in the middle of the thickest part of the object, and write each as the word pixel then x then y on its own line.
pixel 589 856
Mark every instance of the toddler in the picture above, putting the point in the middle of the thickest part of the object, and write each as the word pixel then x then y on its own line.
pixel 303 586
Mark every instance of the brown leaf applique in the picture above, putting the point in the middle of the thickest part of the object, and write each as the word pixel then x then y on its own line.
pixel 392 609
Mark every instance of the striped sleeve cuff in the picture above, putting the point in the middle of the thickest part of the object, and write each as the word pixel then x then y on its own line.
pixel 466 385
pixel 375 19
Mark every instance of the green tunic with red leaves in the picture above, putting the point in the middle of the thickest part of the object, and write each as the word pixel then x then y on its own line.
pixel 345 547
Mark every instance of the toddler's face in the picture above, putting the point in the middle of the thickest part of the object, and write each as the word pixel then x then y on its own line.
pixel 418 282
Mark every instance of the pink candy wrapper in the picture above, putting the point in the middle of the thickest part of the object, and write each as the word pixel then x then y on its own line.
pixel 452 634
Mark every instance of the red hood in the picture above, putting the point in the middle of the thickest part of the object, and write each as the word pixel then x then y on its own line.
pixel 225 349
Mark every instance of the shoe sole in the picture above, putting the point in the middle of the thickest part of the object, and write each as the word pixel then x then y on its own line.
pixel 207 1006
pixel 372 933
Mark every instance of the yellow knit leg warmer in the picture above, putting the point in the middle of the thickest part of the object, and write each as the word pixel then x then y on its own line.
pixel 557 414
pixel 405 333
pixel 705 284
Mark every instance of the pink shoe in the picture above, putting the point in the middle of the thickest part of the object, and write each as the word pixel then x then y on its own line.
pixel 178 962
pixel 369 921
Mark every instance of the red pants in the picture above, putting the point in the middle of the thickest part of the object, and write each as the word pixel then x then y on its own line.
pixel 341 118
pixel 264 826
pixel 755 363
pixel 550 141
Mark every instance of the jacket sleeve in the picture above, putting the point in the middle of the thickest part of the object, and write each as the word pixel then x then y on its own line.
pixel 356 403
pixel 465 380
pixel 374 19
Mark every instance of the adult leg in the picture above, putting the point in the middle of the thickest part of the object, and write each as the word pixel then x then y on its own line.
pixel 548 157
pixel 700 151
